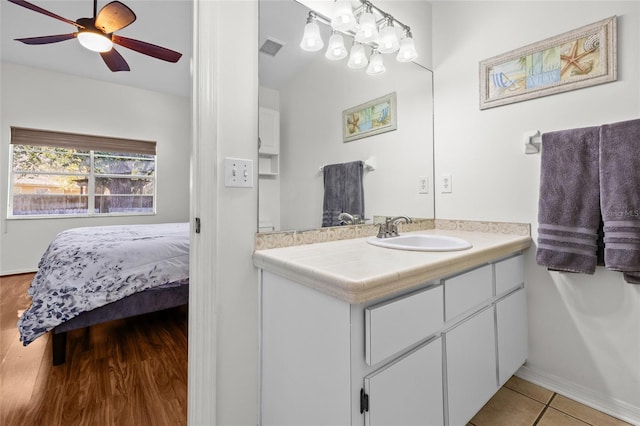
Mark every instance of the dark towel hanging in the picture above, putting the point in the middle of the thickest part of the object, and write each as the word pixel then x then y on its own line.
pixel 569 203
pixel 343 191
pixel 620 197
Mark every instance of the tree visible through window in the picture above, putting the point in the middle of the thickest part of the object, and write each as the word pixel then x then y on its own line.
pixel 53 174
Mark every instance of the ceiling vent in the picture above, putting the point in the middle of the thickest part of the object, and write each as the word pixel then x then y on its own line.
pixel 271 47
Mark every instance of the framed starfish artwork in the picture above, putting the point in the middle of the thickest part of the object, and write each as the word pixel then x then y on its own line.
pixel 371 118
pixel 580 58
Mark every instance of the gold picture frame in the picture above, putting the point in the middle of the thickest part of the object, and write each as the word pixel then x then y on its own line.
pixel 371 118
pixel 580 58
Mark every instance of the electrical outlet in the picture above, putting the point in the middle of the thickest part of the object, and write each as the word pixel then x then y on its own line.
pixel 446 184
pixel 423 184
pixel 238 173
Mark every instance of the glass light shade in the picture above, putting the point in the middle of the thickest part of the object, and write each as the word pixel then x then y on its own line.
pixel 376 65
pixel 407 52
pixel 311 40
pixel 343 17
pixel 94 41
pixel 357 58
pixel 336 49
pixel 388 40
pixel 368 31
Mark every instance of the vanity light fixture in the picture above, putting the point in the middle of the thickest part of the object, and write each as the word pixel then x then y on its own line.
pixel 370 28
pixel 357 57
pixel 336 49
pixel 376 64
pixel 343 18
pixel 388 42
pixel 368 31
pixel 407 52
pixel 311 40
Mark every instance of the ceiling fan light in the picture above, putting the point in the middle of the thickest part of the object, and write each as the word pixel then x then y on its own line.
pixel 376 65
pixel 407 52
pixel 311 39
pixel 368 31
pixel 336 49
pixel 357 57
pixel 94 41
pixel 343 17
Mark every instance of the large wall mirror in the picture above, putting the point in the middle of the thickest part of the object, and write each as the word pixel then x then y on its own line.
pixel 301 99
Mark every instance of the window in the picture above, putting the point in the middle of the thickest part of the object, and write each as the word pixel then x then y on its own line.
pixel 66 174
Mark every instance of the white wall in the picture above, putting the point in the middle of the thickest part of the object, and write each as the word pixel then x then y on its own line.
pixel 52 101
pixel 584 331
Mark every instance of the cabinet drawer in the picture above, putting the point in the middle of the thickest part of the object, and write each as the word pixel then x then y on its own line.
pixel 465 291
pixel 509 274
pixel 395 325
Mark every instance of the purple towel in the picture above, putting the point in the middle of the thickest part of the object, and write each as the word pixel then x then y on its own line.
pixel 569 202
pixel 620 193
pixel 343 191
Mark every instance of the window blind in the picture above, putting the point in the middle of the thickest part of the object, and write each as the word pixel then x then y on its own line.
pixel 24 136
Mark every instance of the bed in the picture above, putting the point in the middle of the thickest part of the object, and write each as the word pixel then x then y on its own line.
pixel 92 275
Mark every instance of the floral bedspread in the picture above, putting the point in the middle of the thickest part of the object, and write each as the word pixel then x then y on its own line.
pixel 85 268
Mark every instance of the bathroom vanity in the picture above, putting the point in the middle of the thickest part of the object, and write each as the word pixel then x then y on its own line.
pixel 355 334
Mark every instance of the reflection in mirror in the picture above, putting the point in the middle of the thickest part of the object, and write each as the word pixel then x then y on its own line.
pixel 302 98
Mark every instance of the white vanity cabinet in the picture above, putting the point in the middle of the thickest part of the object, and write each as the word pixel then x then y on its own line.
pixel 430 356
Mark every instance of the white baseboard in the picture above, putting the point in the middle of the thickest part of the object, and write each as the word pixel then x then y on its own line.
pixel 613 407
pixel 17 272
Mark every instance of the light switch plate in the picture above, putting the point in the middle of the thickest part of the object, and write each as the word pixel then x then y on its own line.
pixel 238 173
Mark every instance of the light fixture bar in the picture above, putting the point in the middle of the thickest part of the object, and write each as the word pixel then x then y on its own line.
pixel 385 15
pixel 369 26
pixel 365 3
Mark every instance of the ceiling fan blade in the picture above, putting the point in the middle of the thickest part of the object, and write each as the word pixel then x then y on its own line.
pixel 113 17
pixel 147 48
pixel 38 9
pixel 114 61
pixel 47 39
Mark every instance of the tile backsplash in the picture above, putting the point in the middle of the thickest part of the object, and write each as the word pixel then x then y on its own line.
pixel 269 240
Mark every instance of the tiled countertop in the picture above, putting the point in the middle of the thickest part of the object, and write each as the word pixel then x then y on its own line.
pixel 357 272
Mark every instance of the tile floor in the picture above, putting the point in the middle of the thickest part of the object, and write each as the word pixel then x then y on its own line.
pixel 521 403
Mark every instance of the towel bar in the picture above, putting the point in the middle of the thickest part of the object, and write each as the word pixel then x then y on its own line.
pixel 369 165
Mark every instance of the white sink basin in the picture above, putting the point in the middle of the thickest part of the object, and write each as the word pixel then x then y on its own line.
pixel 421 242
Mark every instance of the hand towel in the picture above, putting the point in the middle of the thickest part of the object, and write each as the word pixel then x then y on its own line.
pixel 569 201
pixel 620 197
pixel 343 191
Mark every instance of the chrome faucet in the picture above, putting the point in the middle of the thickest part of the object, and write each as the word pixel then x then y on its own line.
pixel 349 219
pixel 389 228
pixel 346 219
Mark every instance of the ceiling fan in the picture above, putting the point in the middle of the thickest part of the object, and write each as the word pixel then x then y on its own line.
pixel 97 34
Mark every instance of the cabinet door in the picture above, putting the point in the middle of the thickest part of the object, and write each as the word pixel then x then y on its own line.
pixel 471 366
pixel 269 131
pixel 409 390
pixel 511 315
pixel 305 349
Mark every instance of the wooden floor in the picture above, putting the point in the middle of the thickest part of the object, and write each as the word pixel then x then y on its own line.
pixel 126 372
